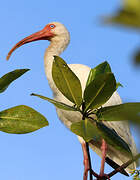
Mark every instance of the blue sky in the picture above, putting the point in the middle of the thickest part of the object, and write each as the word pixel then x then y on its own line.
pixel 54 152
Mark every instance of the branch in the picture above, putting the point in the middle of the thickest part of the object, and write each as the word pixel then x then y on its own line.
pixel 125 165
pixel 89 161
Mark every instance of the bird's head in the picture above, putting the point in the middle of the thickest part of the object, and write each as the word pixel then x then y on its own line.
pixel 53 32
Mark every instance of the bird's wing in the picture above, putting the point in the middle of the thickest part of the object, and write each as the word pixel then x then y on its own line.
pixel 121 127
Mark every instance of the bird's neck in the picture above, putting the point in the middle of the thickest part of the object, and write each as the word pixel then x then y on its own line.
pixel 55 49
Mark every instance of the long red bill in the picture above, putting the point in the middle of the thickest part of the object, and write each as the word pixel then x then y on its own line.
pixel 44 34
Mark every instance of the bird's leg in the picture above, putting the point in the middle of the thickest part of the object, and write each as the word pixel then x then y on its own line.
pixel 86 161
pixel 103 149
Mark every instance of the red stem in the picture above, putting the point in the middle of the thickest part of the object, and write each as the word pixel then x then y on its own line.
pixel 103 149
pixel 86 161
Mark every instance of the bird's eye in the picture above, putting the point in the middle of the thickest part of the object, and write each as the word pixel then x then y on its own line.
pixel 52 26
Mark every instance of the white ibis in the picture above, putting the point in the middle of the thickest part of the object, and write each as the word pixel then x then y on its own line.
pixel 59 39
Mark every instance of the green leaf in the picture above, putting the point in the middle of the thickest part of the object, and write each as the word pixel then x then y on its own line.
pixel 129 15
pixel 8 78
pixel 59 105
pixel 93 130
pixel 21 119
pixel 99 90
pixel 132 5
pixel 125 18
pixel 86 129
pixel 66 81
pixel 118 85
pixel 126 111
pixel 100 69
pixel 112 138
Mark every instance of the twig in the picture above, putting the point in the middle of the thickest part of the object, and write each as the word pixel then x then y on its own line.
pixel 124 166
pixel 89 161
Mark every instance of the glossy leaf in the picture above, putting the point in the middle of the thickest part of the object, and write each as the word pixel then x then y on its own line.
pixel 100 69
pixel 99 90
pixel 126 111
pixel 97 131
pixel 86 129
pixel 112 138
pixel 21 119
pixel 8 78
pixel 59 105
pixel 66 81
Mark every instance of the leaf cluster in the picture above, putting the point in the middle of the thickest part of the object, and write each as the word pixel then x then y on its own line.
pixel 100 86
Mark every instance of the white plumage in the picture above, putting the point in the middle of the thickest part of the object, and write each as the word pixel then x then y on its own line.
pixel 59 37
pixel 122 128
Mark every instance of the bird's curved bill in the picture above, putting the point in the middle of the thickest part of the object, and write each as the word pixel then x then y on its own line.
pixel 40 35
